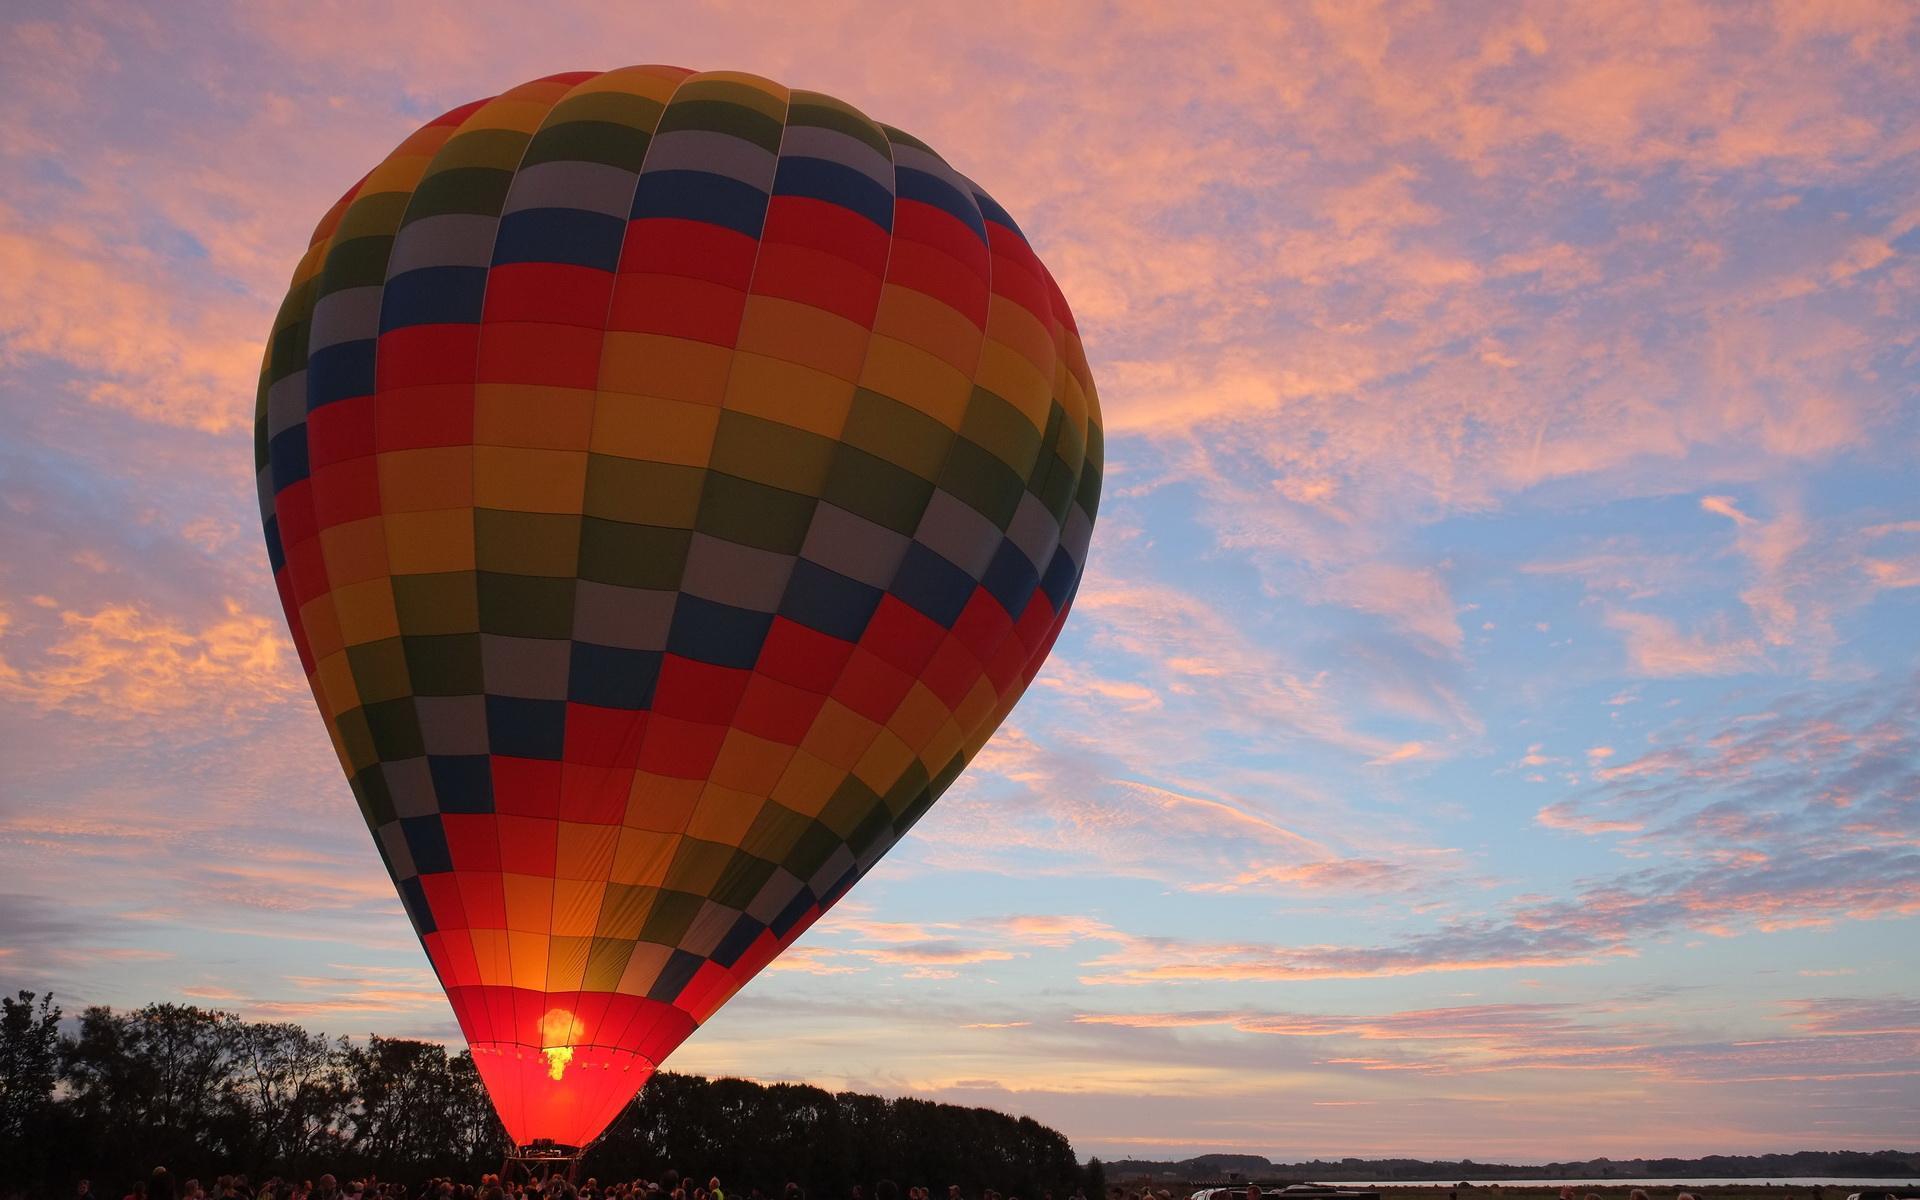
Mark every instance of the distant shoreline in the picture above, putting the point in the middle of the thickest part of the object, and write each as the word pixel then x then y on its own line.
pixel 1888 1168
pixel 1608 1189
pixel 1696 1183
pixel 1554 1183
pixel 1511 1187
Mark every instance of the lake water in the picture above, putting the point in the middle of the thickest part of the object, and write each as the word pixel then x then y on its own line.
pixel 1858 1185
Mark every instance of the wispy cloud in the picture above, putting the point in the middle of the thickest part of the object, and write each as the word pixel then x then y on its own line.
pixel 121 662
pixel 1656 647
pixel 1562 816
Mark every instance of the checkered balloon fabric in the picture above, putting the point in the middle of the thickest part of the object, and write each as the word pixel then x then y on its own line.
pixel 671 479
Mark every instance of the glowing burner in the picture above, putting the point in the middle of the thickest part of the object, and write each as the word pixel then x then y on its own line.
pixel 559 1030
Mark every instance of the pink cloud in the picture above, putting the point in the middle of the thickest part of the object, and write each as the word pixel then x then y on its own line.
pixel 1656 647
pixel 1052 930
pixel 1074 809
pixel 1894 573
pixel 1620 566
pixel 1766 849
pixel 1414 599
pixel 105 309
pixel 1336 875
pixel 812 960
pixel 1725 506
pixel 120 662
pixel 1641 1049
pixel 1853 1017
pixel 1187 647
pixel 1138 960
pixel 901 944
pixel 932 954
pixel 1562 816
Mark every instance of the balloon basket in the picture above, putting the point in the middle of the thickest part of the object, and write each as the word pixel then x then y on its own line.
pixel 540 1161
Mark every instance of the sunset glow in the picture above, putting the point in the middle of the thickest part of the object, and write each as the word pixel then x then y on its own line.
pixel 1490 721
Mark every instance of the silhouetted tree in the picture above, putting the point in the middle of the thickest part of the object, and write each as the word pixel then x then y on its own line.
pixel 287 1098
pixel 151 1084
pixel 29 1062
pixel 418 1105
pixel 1093 1180
pixel 205 1093
pixel 767 1136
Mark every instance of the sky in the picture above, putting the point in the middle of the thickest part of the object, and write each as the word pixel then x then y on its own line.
pixel 1490 721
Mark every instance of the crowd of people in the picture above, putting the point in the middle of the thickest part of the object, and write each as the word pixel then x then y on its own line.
pixel 519 1185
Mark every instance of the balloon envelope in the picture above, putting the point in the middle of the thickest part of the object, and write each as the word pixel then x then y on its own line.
pixel 671 480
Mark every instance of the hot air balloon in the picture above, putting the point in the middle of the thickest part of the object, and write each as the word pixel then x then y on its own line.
pixel 671 480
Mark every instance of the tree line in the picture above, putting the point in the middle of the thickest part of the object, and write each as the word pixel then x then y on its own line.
pixel 205 1092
